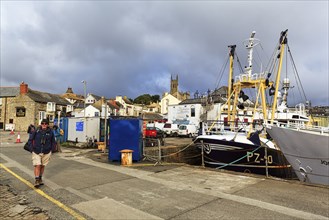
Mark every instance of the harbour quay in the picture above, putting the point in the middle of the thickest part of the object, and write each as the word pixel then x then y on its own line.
pixel 101 189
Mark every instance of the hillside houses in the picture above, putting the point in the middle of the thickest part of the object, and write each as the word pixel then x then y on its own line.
pixel 21 106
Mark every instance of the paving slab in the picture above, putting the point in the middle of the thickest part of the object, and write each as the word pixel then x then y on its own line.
pixel 154 198
pixel 110 209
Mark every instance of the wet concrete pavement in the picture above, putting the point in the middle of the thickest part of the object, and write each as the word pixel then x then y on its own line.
pixel 94 189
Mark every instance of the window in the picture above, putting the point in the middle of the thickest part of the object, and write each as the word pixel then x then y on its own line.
pixel 51 106
pixel 97 114
pixel 11 121
pixel 42 115
pixel 69 108
pixel 192 111
pixel 63 109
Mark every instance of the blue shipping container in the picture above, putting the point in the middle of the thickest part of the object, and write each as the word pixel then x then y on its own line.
pixel 125 134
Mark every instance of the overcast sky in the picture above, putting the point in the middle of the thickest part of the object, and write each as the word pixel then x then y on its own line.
pixel 132 47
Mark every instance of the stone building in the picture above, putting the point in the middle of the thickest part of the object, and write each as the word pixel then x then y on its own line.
pixel 29 107
pixel 175 92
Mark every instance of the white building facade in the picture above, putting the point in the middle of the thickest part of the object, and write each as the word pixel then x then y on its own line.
pixel 186 113
pixel 166 101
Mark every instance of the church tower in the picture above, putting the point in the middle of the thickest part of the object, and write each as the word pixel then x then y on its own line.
pixel 174 85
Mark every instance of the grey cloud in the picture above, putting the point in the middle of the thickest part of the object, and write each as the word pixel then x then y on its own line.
pixel 132 48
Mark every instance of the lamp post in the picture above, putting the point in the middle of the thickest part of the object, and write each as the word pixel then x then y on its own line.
pixel 84 104
pixel 84 91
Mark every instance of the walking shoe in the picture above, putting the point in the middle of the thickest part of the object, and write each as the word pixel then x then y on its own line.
pixel 37 183
pixel 40 181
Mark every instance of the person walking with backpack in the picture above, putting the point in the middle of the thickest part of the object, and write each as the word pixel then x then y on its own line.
pixel 42 143
pixel 56 131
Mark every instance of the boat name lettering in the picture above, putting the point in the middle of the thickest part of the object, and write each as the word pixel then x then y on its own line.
pixel 325 162
pixel 255 157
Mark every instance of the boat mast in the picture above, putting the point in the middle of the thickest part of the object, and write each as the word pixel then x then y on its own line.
pixel 283 42
pixel 250 48
pixel 230 81
pixel 250 80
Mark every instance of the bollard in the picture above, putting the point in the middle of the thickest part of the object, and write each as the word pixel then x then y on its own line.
pixel 126 157
pixel 101 146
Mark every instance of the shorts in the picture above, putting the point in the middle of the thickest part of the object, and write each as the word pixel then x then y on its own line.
pixel 40 159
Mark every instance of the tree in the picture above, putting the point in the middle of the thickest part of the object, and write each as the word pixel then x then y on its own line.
pixel 146 99
pixel 143 99
pixel 155 98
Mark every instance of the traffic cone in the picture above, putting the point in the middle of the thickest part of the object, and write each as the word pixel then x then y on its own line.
pixel 12 131
pixel 18 140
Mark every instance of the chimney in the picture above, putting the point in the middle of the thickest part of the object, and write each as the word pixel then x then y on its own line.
pixel 23 88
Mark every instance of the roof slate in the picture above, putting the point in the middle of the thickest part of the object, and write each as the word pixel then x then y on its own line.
pixel 113 104
pixel 44 97
pixel 9 91
pixel 151 116
pixel 97 97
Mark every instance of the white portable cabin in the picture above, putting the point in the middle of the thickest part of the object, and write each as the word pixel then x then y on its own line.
pixel 79 129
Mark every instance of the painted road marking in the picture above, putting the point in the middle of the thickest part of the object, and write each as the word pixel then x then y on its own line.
pixel 56 202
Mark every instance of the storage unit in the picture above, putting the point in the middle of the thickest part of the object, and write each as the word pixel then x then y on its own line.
pixel 125 134
pixel 79 129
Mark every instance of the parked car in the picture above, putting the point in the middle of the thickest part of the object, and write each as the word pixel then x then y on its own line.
pixel 154 132
pixel 170 129
pixel 187 130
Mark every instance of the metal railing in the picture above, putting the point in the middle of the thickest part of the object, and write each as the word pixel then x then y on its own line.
pixel 304 127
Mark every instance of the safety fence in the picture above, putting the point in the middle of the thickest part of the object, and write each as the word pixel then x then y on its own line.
pixel 155 151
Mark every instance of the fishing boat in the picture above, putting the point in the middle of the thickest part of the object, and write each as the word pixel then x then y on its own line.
pixel 306 148
pixel 248 151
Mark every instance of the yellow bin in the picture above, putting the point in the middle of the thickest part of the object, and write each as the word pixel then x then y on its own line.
pixel 126 157
pixel 101 146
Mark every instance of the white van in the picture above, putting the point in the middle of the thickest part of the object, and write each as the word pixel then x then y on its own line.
pixel 170 129
pixel 187 130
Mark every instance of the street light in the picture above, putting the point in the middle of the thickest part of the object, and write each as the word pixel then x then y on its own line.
pixel 84 105
pixel 84 90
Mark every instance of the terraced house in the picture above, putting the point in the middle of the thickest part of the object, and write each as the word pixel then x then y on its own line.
pixel 21 106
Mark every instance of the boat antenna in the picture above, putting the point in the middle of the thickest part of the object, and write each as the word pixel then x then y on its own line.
pixel 249 44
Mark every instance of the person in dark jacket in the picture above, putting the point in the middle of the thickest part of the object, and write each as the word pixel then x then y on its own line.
pixel 56 131
pixel 42 142
pixel 30 129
